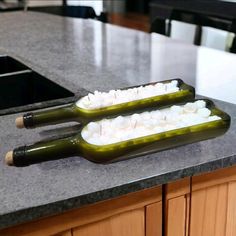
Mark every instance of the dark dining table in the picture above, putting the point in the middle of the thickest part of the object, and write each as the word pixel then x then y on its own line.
pixel 163 8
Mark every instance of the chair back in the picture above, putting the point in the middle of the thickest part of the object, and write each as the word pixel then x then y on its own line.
pixel 198 28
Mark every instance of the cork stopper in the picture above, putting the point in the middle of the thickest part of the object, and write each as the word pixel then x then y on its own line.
pixel 9 158
pixel 20 122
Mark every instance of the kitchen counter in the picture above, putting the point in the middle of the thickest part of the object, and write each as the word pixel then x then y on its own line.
pixel 85 54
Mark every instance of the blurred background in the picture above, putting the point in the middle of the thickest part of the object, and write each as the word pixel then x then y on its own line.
pixel 209 23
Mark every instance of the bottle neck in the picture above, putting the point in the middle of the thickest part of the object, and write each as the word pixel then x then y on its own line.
pixel 45 151
pixel 52 116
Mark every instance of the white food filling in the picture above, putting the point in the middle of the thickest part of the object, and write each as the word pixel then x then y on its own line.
pixel 122 128
pixel 104 99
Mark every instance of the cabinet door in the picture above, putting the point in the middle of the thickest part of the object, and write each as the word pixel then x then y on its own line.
pixel 213 204
pixel 135 214
pixel 154 219
pixel 146 221
pixel 130 223
pixel 177 208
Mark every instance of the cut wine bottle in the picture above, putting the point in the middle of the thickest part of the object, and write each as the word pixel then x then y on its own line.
pixel 79 145
pixel 138 98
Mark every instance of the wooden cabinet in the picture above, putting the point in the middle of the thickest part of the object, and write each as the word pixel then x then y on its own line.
pixel 135 214
pixel 177 208
pixel 145 221
pixel 130 223
pixel 154 219
pixel 203 205
pixel 213 204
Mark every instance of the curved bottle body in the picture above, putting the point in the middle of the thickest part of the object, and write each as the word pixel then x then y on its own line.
pixel 157 142
pixel 76 145
pixel 74 113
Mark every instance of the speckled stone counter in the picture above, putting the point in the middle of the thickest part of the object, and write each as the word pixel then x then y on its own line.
pixel 87 55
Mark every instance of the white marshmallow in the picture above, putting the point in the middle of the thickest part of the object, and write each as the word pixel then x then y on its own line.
pixel 204 112
pixel 113 97
pixel 158 129
pixel 176 109
pixel 174 83
pixel 190 107
pixel 146 115
pixel 122 128
pixel 118 121
pixel 93 126
pixel 213 118
pixel 86 134
pixel 200 104
pixel 169 127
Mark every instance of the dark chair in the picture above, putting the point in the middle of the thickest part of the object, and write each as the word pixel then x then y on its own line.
pixel 163 26
pixel 84 12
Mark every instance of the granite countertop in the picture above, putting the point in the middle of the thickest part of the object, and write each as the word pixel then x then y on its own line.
pixel 85 54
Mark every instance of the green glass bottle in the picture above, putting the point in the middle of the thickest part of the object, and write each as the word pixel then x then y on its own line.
pixel 77 146
pixel 74 113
